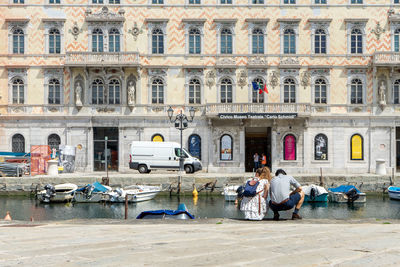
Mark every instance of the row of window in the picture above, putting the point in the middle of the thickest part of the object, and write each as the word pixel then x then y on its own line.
pixel 110 92
pixel 18 142
pixel 258 37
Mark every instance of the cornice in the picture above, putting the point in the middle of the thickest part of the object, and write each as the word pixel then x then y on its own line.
pixel 355 20
pixel 320 20
pixel 196 20
pixel 17 20
pixel 257 20
pixel 149 20
pixel 289 20
pixel 225 20
pixel 53 19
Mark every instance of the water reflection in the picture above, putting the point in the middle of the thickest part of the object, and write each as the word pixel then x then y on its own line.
pixel 205 206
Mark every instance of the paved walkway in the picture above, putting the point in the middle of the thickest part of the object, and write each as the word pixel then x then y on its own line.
pixel 201 243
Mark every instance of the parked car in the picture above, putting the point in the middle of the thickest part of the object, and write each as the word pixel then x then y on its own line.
pixel 147 156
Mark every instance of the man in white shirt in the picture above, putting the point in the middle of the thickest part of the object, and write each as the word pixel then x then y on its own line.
pixel 282 198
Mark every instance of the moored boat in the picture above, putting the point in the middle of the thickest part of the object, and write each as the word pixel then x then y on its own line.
pixel 180 214
pixel 57 193
pixel 394 192
pixel 315 193
pixel 230 192
pixel 91 193
pixel 346 194
pixel 134 193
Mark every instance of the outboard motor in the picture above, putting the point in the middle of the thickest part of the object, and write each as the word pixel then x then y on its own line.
pixel 50 192
pixel 352 195
pixel 313 193
pixel 88 191
pixel 119 191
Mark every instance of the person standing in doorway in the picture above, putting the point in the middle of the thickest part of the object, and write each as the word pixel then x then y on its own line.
pixel 263 160
pixel 256 159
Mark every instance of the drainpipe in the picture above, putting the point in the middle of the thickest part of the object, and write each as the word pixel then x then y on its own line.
pixel 369 145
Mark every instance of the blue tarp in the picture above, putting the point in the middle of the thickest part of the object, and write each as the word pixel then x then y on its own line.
pixel 343 189
pixel 98 187
pixel 394 188
pixel 162 212
pixel 14 154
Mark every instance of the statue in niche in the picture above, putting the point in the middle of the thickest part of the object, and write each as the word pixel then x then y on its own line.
pixel 131 93
pixel 78 95
pixel 382 93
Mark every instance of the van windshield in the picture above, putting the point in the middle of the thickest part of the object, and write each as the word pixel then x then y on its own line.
pixel 178 153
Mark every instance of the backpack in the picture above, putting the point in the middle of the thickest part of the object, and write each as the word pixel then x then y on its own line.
pixel 250 189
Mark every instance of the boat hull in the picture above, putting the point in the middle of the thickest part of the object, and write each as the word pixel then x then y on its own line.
pixel 64 193
pixel 132 197
pixel 338 197
pixel 80 197
pixel 393 193
pixel 320 198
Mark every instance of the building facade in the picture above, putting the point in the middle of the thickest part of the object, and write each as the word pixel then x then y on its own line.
pixel 311 83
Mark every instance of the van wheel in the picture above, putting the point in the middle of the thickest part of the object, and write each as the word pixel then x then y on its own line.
pixel 143 169
pixel 188 169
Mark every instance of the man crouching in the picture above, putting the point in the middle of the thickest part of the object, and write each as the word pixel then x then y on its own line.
pixel 282 198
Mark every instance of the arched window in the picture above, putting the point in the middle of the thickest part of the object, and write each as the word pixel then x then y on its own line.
pixel 226 147
pixel 97 40
pixel 289 41
pixel 226 91
pixel 157 92
pixel 194 41
pixel 356 91
pixel 18 91
pixel 157 40
pixel 113 41
pixel 18 41
pixel 257 97
pixel 54 141
pixel 258 41
pixel 320 91
pixel 54 92
pixel 396 40
pixel 396 92
pixel 114 92
pixel 194 145
pixel 157 138
pixel 356 147
pixel 289 147
pixel 54 41
pixel 98 92
pixel 194 91
pixel 356 41
pixel 321 147
pixel 18 143
pixel 320 41
pixel 226 41
pixel 289 91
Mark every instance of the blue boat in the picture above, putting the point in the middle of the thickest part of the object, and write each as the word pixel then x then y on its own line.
pixel 314 193
pixel 180 214
pixel 394 192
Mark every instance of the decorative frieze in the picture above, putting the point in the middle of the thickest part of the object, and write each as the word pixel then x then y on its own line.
pixel 105 15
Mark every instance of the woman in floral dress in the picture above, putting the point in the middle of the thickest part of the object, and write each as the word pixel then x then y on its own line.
pixel 255 208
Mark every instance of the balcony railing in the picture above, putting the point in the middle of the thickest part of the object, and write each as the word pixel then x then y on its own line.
pixel 103 58
pixel 215 109
pixel 386 58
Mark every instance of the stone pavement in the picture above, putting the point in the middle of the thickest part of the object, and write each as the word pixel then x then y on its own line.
pixel 214 242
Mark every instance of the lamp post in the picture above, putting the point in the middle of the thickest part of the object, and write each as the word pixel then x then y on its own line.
pixel 181 123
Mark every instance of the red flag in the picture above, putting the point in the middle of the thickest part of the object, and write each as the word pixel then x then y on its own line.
pixel 260 91
pixel 265 88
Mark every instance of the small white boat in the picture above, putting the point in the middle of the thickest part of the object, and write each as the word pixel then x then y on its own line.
pixel 346 194
pixel 230 192
pixel 315 193
pixel 135 193
pixel 57 193
pixel 91 193
pixel 394 192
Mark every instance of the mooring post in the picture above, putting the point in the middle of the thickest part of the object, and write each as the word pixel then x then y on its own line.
pixel 126 206
pixel 392 178
pixel 179 184
pixel 321 179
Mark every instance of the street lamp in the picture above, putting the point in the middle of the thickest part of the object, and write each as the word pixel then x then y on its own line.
pixel 181 123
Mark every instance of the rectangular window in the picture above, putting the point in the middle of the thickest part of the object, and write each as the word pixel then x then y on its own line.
pixel 356 1
pixel 396 1
pixel 114 1
pixel 157 2
pixel 226 1
pixel 319 2
pixel 289 1
pixel 18 1
pixel 54 1
pixel 194 2
pixel 97 1
pixel 396 43
pixel 255 2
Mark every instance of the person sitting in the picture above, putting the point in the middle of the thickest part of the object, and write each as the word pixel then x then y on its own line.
pixel 282 198
pixel 254 207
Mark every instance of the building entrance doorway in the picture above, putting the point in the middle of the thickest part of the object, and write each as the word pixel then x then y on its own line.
pixel 105 146
pixel 397 149
pixel 258 139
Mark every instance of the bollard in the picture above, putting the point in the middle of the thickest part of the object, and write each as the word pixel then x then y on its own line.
pixel 126 206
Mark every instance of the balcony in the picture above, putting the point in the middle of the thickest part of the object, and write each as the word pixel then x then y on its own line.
pixel 95 59
pixel 386 58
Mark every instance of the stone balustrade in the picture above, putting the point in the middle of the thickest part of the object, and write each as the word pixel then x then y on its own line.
pixel 386 58
pixel 103 58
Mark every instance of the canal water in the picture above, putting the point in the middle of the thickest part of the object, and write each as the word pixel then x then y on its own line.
pixel 378 206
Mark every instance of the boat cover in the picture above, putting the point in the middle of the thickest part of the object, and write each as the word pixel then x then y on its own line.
pixel 343 189
pixel 394 188
pixel 162 212
pixel 98 187
pixel 320 189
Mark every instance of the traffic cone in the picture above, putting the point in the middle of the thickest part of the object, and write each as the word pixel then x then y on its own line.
pixel 8 217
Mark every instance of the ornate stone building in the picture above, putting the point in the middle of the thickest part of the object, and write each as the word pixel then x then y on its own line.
pixel 311 83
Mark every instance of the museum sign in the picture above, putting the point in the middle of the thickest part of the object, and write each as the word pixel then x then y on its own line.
pixel 257 115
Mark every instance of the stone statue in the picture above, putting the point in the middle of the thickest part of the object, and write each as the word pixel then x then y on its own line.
pixel 382 93
pixel 78 95
pixel 131 93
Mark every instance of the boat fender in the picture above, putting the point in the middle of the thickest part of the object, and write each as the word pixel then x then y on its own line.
pixel 195 193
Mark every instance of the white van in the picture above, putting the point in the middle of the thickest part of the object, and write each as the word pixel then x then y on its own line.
pixel 146 156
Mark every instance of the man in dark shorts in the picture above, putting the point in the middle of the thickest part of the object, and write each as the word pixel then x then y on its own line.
pixel 281 196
